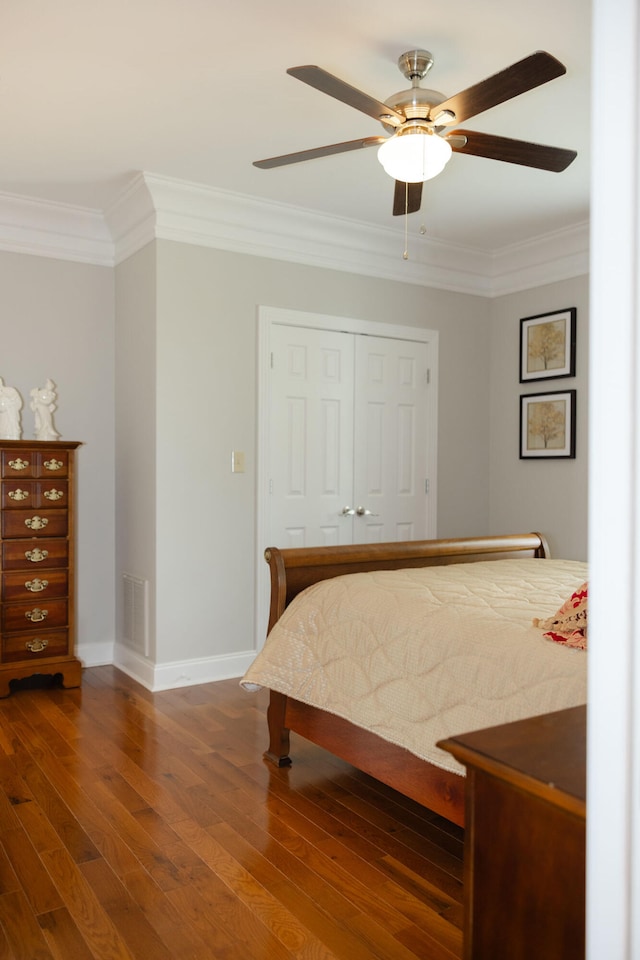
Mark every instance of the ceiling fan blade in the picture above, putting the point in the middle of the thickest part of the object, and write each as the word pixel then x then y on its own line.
pixel 318 152
pixel 533 71
pixel 339 90
pixel 527 154
pixel 407 198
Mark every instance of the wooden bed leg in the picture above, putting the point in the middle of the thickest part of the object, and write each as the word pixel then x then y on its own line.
pixel 278 752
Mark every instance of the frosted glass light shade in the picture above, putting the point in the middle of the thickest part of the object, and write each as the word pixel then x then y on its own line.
pixel 414 156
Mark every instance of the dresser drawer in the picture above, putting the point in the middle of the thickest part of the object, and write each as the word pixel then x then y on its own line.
pixel 27 555
pixel 53 493
pixel 18 463
pixel 19 494
pixel 43 523
pixel 35 645
pixel 29 584
pixel 34 463
pixel 55 464
pixel 34 494
pixel 30 615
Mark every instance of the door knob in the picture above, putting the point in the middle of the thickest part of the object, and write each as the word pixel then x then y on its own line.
pixel 363 512
pixel 347 512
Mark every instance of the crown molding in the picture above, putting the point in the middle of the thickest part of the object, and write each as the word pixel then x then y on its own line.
pixel 131 219
pixel 559 255
pixel 61 231
pixel 154 207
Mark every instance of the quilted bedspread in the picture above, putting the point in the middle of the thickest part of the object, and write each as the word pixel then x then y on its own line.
pixel 417 655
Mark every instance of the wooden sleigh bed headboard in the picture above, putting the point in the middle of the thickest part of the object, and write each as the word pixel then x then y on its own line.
pixel 292 570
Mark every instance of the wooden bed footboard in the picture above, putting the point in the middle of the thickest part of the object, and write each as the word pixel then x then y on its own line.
pixel 433 787
pixel 292 570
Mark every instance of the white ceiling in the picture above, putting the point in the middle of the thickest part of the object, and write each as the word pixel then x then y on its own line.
pixel 93 91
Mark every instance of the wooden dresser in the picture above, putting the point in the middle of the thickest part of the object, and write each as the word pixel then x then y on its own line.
pixel 525 812
pixel 37 521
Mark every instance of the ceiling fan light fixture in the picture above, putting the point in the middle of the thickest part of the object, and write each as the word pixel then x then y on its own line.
pixel 414 154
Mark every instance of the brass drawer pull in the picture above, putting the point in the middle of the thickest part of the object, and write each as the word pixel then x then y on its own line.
pixel 53 464
pixel 36 585
pixel 37 645
pixel 18 494
pixel 36 555
pixel 36 523
pixel 19 464
pixel 54 494
pixel 36 615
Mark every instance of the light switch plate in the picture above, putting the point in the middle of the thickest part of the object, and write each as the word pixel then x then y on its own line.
pixel 237 461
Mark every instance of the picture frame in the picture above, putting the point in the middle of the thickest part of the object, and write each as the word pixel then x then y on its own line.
pixel 548 345
pixel 548 425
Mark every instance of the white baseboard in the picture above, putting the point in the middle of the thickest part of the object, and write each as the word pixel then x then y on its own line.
pixel 180 673
pixel 95 654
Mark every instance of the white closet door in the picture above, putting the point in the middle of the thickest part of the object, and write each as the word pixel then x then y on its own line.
pixel 310 436
pixel 347 438
pixel 390 440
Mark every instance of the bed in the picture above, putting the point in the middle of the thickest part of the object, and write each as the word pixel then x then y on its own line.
pixel 439 639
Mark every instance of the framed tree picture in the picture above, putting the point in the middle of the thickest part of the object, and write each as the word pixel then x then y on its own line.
pixel 548 425
pixel 548 345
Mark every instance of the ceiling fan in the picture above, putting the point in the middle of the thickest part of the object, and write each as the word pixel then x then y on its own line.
pixel 419 121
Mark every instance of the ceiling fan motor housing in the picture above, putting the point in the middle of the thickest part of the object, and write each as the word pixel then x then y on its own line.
pixel 416 102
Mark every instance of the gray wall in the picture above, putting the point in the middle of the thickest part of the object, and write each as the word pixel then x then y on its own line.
pixel 57 322
pixel 545 495
pixel 136 418
pixel 183 387
pixel 207 304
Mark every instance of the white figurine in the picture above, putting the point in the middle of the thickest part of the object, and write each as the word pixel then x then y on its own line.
pixel 43 403
pixel 10 406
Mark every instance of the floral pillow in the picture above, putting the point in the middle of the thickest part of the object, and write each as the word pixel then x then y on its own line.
pixel 569 624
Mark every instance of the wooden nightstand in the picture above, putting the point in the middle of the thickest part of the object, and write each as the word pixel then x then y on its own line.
pixel 525 813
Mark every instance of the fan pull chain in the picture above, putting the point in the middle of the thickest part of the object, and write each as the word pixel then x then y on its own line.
pixel 405 255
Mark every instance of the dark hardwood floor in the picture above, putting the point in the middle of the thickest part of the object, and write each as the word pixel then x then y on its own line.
pixel 147 826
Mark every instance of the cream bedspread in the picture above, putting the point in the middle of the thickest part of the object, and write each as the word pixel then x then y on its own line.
pixel 417 655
